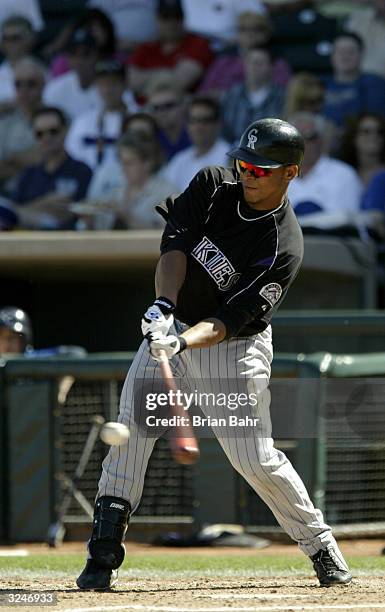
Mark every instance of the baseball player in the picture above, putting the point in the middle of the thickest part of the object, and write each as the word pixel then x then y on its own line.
pixel 230 250
pixel 15 330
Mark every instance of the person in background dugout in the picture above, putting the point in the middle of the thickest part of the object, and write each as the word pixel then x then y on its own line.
pixel 256 98
pixel 16 337
pixel 228 69
pixel 18 148
pixel 182 56
pixel 17 42
pixel 167 105
pixel 44 191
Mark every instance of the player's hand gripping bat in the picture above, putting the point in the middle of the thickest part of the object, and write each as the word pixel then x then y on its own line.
pixel 184 446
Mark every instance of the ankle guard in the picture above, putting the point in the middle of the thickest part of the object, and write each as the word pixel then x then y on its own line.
pixel 111 516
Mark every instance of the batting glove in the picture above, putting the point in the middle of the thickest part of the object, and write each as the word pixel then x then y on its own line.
pixel 168 345
pixel 158 317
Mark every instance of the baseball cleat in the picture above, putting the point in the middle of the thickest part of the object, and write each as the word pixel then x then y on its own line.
pixel 329 568
pixel 96 578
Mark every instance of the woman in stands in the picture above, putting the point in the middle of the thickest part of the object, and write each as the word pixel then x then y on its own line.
pixel 363 147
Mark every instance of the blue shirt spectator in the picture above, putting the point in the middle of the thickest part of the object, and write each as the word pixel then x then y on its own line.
pixel 70 179
pixel 45 192
pixel 349 91
pixel 374 196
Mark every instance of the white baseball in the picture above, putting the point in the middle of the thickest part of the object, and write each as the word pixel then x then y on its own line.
pixel 114 434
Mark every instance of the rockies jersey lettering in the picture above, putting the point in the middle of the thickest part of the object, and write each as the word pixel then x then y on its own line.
pixel 240 262
pixel 216 264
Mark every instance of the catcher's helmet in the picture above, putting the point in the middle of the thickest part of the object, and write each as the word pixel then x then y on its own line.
pixel 17 321
pixel 270 143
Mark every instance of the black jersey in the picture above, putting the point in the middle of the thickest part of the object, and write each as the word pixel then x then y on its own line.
pixel 240 262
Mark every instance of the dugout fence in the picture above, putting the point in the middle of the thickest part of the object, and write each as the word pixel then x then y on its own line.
pixel 333 434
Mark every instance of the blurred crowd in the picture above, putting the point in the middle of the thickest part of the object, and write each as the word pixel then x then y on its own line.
pixel 121 106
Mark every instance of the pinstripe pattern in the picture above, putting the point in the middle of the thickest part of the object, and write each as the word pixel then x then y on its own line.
pixel 246 363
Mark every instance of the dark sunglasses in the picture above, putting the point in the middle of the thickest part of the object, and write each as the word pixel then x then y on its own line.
pixel 12 37
pixel 158 108
pixel 204 120
pixel 255 171
pixel 28 83
pixel 54 131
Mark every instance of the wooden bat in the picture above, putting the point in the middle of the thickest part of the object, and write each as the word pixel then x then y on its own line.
pixel 183 443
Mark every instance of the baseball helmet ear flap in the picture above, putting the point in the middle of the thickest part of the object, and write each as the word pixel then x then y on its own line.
pixel 18 321
pixel 270 143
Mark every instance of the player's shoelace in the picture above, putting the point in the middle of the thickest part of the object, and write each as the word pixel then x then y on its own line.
pixel 330 562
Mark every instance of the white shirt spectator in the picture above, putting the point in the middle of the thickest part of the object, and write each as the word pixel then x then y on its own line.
pixel 217 19
pixel 134 20
pixel 7 89
pixel 327 196
pixel 30 9
pixel 65 92
pixel 371 28
pixel 185 165
pixel 108 182
pixel 92 136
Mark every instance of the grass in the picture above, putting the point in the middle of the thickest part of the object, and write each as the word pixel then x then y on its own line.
pixel 173 564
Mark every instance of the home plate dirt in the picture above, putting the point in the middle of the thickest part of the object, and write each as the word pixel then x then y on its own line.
pixel 214 594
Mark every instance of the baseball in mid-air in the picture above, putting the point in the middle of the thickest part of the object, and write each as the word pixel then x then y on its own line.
pixel 114 434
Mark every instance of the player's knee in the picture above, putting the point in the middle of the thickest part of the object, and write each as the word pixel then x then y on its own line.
pixel 109 527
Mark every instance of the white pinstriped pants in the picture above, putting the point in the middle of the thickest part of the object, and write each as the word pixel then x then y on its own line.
pixel 266 469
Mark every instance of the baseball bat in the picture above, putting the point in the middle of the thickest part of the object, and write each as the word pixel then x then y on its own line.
pixel 183 443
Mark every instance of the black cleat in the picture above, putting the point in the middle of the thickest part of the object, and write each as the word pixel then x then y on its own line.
pixel 96 578
pixel 329 568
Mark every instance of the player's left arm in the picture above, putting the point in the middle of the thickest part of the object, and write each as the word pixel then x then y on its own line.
pixel 259 290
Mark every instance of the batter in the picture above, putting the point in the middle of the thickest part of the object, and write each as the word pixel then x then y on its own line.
pixel 231 249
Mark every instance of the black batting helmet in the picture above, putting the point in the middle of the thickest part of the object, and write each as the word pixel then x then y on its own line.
pixel 270 143
pixel 17 321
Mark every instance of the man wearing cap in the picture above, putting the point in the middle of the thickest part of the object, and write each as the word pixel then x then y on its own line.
pixel 231 249
pixel 74 92
pixel 177 53
pixel 93 135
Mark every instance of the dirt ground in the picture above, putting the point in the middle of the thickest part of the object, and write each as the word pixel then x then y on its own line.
pixel 211 594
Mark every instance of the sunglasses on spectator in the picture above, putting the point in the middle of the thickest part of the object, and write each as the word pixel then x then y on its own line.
pixel 53 131
pixel 205 120
pixel 12 37
pixel 373 130
pixel 166 106
pixel 255 171
pixel 28 83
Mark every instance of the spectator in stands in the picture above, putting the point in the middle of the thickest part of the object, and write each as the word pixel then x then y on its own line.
pixel 101 28
pixel 134 22
pixel 217 20
pixel 75 92
pixel 29 9
pixel 145 186
pixel 363 147
pixel 166 104
pixel 182 56
pixel 370 26
pixel 93 135
pixel 227 69
pixel 255 98
pixel 306 92
pixel 349 91
pixel 17 41
pixel 108 178
pixel 44 191
pixel 326 196
pixel 17 141
pixel 208 149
